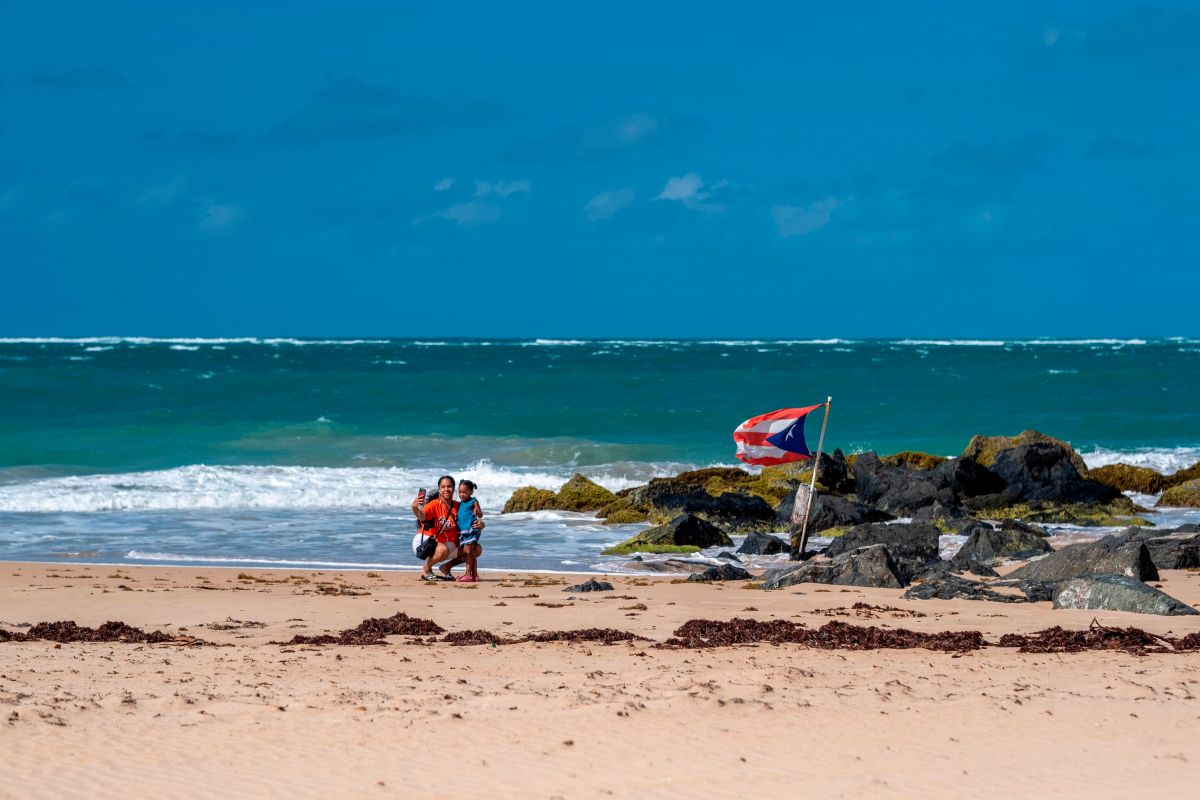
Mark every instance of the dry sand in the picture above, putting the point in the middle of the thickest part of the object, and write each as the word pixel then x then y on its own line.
pixel 567 720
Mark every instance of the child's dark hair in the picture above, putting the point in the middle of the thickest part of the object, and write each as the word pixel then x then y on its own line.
pixel 469 484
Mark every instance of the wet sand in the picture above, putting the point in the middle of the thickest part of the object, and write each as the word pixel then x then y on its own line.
pixel 567 719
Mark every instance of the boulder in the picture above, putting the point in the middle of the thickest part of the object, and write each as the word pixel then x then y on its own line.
pixel 724 572
pixel 577 494
pixel 912 546
pixel 684 533
pixel 899 490
pixel 1177 548
pixel 986 544
pixel 529 498
pixel 947 519
pixel 582 494
pixel 1108 555
pixel 762 544
pixel 1117 593
pixel 668 566
pixel 590 586
pixel 865 566
pixel 1183 495
pixel 985 449
pixel 737 512
pixel 1127 478
pixel 952 587
pixel 728 556
pixel 829 511
pixel 1183 475
pixel 1045 472
pixel 933 571
pixel 665 498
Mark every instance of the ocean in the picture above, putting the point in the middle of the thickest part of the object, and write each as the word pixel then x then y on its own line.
pixel 302 453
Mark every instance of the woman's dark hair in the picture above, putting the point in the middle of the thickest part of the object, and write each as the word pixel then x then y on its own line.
pixel 445 478
pixel 469 484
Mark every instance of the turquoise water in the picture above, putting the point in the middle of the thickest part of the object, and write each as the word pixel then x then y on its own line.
pixel 196 448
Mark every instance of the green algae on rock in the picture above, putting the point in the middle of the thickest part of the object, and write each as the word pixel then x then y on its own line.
pixel 577 494
pixel 683 534
pixel 984 449
pixel 914 459
pixel 1185 495
pixel 1128 478
pixel 529 498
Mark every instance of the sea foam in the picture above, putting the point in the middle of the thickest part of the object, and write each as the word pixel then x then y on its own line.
pixel 203 486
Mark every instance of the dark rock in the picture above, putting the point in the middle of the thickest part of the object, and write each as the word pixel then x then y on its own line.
pixel 1045 472
pixel 1117 593
pixel 1169 549
pixel 1108 555
pixel 733 512
pixel 952 587
pixel 912 545
pixel 948 519
pixel 830 511
pixel 684 531
pixel 590 586
pixel 723 572
pixel 899 489
pixel 985 449
pixel 667 566
pixel 834 473
pixel 985 544
pixel 728 556
pixel 762 544
pixel 865 566
pixel 933 571
pixel 1018 525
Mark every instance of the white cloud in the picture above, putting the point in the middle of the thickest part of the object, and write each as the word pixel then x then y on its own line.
pixel 502 188
pixel 218 217
pixel 684 188
pixel 605 204
pixel 803 220
pixel 692 192
pixel 443 184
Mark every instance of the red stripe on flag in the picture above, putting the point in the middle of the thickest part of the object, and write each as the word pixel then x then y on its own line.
pixel 783 413
pixel 771 461
pixel 752 437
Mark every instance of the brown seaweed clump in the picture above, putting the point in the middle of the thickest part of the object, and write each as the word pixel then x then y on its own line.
pixel 476 638
pixel 603 635
pixel 67 631
pixel 1096 637
pixel 701 633
pixel 373 631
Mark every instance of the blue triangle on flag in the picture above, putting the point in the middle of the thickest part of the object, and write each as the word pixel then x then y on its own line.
pixel 791 439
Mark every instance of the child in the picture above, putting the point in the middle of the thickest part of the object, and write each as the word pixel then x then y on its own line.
pixel 470 522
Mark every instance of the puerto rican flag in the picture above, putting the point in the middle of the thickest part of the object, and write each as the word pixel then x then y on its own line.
pixel 774 438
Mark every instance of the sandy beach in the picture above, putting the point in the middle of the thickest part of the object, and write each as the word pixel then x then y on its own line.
pixel 567 719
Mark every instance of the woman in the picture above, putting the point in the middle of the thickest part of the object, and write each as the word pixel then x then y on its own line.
pixel 439 518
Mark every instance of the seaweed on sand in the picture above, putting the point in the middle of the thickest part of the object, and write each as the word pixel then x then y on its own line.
pixel 702 633
pixel 67 631
pixel 1097 637
pixel 373 630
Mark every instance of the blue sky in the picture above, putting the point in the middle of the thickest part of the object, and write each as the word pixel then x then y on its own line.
pixel 599 169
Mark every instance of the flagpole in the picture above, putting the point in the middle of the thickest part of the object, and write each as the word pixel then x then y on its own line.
pixel 812 488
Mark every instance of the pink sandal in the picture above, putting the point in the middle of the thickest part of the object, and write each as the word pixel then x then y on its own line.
pixel 467 579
